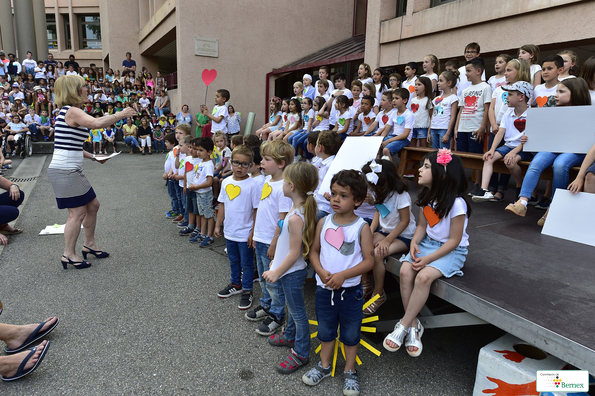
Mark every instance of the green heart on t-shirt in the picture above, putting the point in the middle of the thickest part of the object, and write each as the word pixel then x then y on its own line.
pixel 342 121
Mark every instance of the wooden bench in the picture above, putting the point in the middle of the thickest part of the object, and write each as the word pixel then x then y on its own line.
pixel 471 161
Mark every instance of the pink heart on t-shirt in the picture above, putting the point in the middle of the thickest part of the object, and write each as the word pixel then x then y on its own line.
pixel 292 119
pixel 335 238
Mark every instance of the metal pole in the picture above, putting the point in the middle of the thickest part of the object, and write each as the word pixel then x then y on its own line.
pixel 8 40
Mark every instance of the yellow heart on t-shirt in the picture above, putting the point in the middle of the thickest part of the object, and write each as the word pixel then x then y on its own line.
pixel 232 191
pixel 266 191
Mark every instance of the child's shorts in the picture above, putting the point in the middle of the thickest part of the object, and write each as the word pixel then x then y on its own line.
pixel 591 168
pixel 406 241
pixel 396 145
pixel 448 265
pixel 273 128
pixel 503 150
pixel 205 204
pixel 96 139
pixel 419 133
pixel 191 205
pixel 343 307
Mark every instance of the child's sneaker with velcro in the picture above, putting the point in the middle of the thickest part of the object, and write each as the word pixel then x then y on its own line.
pixel 258 313
pixel 269 326
pixel 230 290
pixel 351 384
pixel 246 300
pixel 186 231
pixel 197 238
pixel 195 232
pixel 178 218
pixel 183 224
pixel 316 374
pixel 169 214
pixel 292 363
pixel 207 241
pixel 280 340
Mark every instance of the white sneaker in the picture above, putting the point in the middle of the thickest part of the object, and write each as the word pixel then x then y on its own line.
pixel 482 198
pixel 386 157
pixel 297 158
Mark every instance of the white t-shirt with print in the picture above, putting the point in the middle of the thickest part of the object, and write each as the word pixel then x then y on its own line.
pixel 495 82
pixel 222 125
pixel 394 203
pixel 292 120
pixel 544 97
pixel 240 198
pixel 420 111
pixel 321 201
pixel 366 120
pixel 443 111
pixel 472 101
pixel 323 123
pixel 144 102
pixel 272 203
pixel 259 179
pixel 400 122
pixel 383 118
pixel 191 166
pixel 409 85
pixel 343 118
pixel 432 76
pixel 306 117
pixel 441 230
pixel 534 69
pixel 182 167
pixel 201 171
pixel 512 136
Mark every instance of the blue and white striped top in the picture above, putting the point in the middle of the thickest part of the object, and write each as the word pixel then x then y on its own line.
pixel 68 143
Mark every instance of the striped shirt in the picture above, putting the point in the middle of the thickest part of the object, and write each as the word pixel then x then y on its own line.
pixel 68 143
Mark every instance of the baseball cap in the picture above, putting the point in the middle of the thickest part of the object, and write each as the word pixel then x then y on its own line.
pixel 522 86
pixel 2 53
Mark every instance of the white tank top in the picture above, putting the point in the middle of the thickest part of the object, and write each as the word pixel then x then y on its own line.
pixel 282 249
pixel 340 248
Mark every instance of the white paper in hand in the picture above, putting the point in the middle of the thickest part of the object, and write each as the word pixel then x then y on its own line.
pixel 571 217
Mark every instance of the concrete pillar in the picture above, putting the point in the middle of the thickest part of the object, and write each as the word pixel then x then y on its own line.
pixel 8 41
pixel 41 29
pixel 74 41
pixel 59 27
pixel 144 13
pixel 23 15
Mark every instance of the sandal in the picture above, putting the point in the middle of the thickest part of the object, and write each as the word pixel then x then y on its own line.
pixel 372 308
pixel 367 289
pixel 497 198
pixel 13 232
pixel 413 341
pixel 397 336
pixel 541 222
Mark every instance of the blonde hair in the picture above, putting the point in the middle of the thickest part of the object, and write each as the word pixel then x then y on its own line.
pixel 434 59
pixel 371 87
pixel 243 150
pixel 523 68
pixel 368 69
pixel 185 128
pixel 304 178
pixel 278 150
pixel 68 90
pixel 574 58
pixel 219 134
pixel 299 84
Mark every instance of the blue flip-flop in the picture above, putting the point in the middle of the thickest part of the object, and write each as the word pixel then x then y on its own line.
pixel 20 372
pixel 33 337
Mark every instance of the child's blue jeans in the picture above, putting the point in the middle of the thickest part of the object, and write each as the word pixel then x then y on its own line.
pixel 157 144
pixel 543 160
pixel 241 263
pixel 437 135
pixel 173 195
pixel 298 327
pixel 181 198
pixel 273 299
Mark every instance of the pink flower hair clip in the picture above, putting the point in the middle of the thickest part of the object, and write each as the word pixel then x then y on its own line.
pixel 444 157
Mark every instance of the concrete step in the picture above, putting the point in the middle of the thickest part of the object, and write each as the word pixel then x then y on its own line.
pixel 48 147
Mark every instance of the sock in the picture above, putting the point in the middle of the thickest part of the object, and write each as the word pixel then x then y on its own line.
pixel 191 226
pixel 523 202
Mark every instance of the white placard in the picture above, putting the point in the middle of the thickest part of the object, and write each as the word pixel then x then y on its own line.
pixel 355 152
pixel 54 229
pixel 568 129
pixel 204 46
pixel 571 217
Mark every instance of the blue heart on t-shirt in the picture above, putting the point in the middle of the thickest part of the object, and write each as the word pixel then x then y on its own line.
pixel 306 118
pixel 280 224
pixel 505 96
pixel 400 120
pixel 382 209
pixel 439 110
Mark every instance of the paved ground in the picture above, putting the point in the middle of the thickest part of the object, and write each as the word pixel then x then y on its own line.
pixel 147 320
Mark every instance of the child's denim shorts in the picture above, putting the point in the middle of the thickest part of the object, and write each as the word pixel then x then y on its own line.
pixel 343 307
pixel 449 265
pixel 419 133
pixel 205 204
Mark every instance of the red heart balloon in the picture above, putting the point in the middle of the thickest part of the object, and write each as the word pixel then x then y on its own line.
pixel 520 123
pixel 208 76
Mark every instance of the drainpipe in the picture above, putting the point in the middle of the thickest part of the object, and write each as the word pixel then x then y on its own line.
pixel 266 95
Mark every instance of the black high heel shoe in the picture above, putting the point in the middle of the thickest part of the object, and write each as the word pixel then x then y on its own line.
pixel 75 264
pixel 96 253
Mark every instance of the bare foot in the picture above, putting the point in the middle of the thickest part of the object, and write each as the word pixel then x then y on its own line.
pixel 10 364
pixel 21 333
pixel 91 245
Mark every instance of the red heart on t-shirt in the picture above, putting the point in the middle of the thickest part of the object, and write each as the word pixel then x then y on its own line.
pixel 519 124
pixel 541 100
pixel 411 89
pixel 189 166
pixel 431 216
pixel 469 100
pixel 367 120
pixel 385 118
pixel 414 107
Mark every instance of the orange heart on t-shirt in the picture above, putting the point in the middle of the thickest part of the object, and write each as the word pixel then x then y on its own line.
pixel 541 100
pixel 411 89
pixel 414 107
pixel 431 216
pixel 367 120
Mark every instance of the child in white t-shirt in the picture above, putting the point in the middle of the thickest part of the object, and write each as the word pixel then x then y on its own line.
pixel 327 146
pixel 392 218
pixel 530 53
pixel 144 104
pixel 410 77
pixel 500 67
pixel 445 110
pixel 385 114
pixel 168 171
pixel 365 117
pixel 431 67
pixel 220 112
pixel 401 124
pixel 344 124
pixel 239 198
pixel 544 94
pixel 201 185
pixel 421 106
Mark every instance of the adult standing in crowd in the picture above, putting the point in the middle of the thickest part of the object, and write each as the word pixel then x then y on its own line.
pixel 162 104
pixel 50 60
pixel 184 116
pixel 13 67
pixel 128 64
pixel 3 66
pixel 9 203
pixel 72 61
pixel 72 189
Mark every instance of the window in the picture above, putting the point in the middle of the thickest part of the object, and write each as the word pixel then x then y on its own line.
pixel 401 7
pixel 68 39
pixel 436 3
pixel 50 20
pixel 89 31
pixel 359 17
